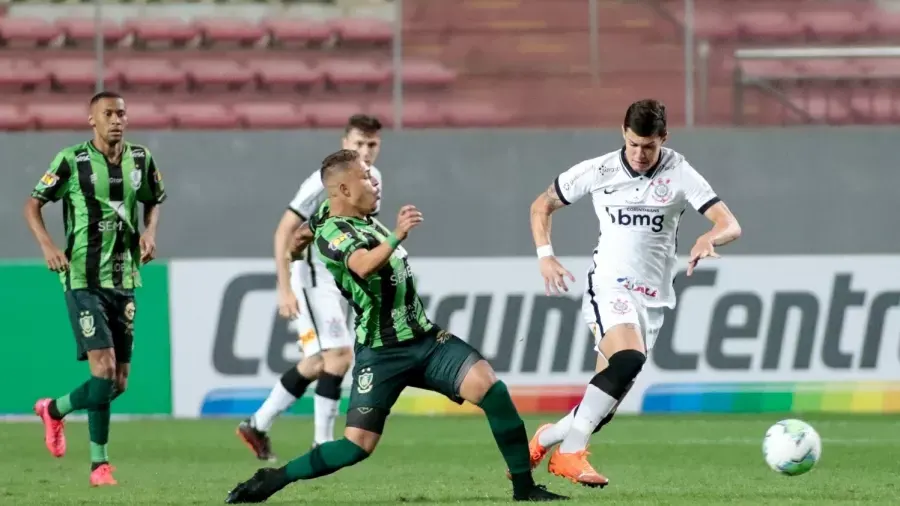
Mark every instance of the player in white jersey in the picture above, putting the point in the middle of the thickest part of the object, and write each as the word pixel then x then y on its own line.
pixel 639 194
pixel 308 296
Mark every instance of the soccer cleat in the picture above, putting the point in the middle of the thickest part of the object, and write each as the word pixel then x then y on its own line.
pixel 265 483
pixel 576 468
pixel 535 450
pixel 257 440
pixel 54 430
pixel 102 476
pixel 539 493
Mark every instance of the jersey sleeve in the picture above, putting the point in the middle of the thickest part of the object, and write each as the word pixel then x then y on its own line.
pixel 576 182
pixel 54 184
pixel 319 216
pixel 309 197
pixel 153 189
pixel 336 240
pixel 697 190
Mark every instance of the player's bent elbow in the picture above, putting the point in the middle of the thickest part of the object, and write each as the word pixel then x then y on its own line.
pixel 540 207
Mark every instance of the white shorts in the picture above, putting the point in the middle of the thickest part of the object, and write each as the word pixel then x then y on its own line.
pixel 323 323
pixel 607 305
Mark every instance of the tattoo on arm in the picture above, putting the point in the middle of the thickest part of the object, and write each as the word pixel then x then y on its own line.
pixel 552 198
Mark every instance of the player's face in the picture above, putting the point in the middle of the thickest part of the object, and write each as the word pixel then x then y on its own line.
pixel 109 119
pixel 367 145
pixel 361 189
pixel 642 153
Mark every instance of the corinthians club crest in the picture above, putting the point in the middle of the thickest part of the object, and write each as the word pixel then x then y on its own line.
pixel 86 322
pixel 661 191
pixel 364 381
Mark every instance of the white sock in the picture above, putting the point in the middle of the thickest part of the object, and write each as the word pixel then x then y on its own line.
pixel 593 408
pixel 326 411
pixel 555 434
pixel 279 399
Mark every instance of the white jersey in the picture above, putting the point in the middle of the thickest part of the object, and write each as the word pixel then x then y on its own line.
pixel 639 217
pixel 311 271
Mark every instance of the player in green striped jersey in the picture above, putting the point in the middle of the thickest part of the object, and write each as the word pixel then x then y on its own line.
pixel 100 183
pixel 397 345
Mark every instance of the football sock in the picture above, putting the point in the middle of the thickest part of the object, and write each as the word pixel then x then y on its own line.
pixel 324 460
pixel 100 395
pixel 509 433
pixel 328 396
pixel 557 432
pixel 601 396
pixel 291 387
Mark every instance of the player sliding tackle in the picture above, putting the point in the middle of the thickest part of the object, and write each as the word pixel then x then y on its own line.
pixel 396 344
pixel 639 194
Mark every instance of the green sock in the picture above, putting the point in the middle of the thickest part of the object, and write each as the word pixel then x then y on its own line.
pixel 324 460
pixel 508 428
pixel 75 400
pixel 98 453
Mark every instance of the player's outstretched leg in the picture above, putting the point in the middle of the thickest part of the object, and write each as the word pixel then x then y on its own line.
pixel 294 382
pixel 336 363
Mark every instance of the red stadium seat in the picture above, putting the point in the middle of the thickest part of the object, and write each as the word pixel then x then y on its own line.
pixel 475 114
pixel 149 73
pixel 82 31
pixel 25 31
pixel 217 72
pixel 875 107
pixel 18 74
pixel 285 73
pixel 769 69
pixel 363 31
pixel 289 31
pixel 270 115
pixel 768 25
pixel 832 24
pixel 824 108
pixel 202 116
pixel 886 23
pixel 415 114
pixel 59 116
pixel 354 73
pixel 832 68
pixel 13 118
pixel 424 74
pixel 147 115
pixel 329 115
pixel 880 68
pixel 161 31
pixel 78 73
pixel 229 31
pixel 712 24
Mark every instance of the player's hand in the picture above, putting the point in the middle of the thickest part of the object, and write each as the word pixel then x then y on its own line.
pixel 288 306
pixel 703 248
pixel 56 259
pixel 554 275
pixel 148 248
pixel 408 218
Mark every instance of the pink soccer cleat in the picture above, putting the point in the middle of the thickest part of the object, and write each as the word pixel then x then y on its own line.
pixel 54 430
pixel 102 476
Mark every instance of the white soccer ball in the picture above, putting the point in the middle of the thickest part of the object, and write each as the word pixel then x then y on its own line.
pixel 792 447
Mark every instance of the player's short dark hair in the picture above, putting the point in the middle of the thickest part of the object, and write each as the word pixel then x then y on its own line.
pixel 104 94
pixel 369 125
pixel 338 161
pixel 646 118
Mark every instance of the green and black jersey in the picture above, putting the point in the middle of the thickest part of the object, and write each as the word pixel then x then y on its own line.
pixel 100 212
pixel 388 308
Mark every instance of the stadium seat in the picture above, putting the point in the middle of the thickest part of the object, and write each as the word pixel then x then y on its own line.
pixel 830 68
pixel 885 23
pixel 769 69
pixel 81 31
pixel 24 31
pixel 78 74
pixel 342 73
pixel 270 115
pixel 880 68
pixel 149 73
pixel 202 116
pixel 712 24
pixel 329 114
pixel 161 31
pixel 285 74
pixel 875 106
pixel 289 32
pixel 20 74
pixel 475 114
pixel 768 25
pixel 416 114
pixel 65 116
pixel 227 73
pixel 424 74
pixel 832 24
pixel 229 31
pixel 824 108
pixel 363 31
pixel 147 115
pixel 13 118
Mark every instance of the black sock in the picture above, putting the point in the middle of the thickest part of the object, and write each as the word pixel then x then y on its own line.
pixel 294 382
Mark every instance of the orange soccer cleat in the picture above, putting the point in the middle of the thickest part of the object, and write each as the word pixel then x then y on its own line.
pixel 54 430
pixel 576 468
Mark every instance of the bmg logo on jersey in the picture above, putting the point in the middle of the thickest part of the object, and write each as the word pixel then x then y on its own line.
pixel 631 217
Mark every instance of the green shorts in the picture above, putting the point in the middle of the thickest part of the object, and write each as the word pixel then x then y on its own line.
pixel 102 318
pixel 437 362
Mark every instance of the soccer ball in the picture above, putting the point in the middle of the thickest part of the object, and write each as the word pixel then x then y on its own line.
pixel 792 447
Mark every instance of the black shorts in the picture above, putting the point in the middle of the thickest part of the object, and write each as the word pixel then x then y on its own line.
pixel 102 318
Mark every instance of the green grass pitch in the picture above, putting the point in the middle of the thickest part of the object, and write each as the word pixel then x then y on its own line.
pixel 659 460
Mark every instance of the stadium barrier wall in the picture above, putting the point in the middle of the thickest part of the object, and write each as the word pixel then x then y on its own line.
pixel 40 351
pixel 750 334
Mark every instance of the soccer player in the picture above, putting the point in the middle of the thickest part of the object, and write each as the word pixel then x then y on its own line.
pixel 100 183
pixel 396 344
pixel 308 296
pixel 639 193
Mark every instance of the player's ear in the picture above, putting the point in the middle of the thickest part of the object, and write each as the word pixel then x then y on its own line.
pixel 91 120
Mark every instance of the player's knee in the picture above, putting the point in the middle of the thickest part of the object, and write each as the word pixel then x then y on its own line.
pixel 366 441
pixel 337 361
pixel 329 386
pixel 310 367
pixel 477 381
pixel 102 363
pixel 368 420
pixel 617 378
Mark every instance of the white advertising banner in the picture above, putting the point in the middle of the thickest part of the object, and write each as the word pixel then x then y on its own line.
pixel 749 333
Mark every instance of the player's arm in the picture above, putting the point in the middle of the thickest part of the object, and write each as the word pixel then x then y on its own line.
pixel 725 228
pixel 290 223
pixel 365 262
pixel 152 193
pixel 53 185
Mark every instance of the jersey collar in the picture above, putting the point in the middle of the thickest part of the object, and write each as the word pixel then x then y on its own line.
pixel 631 172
